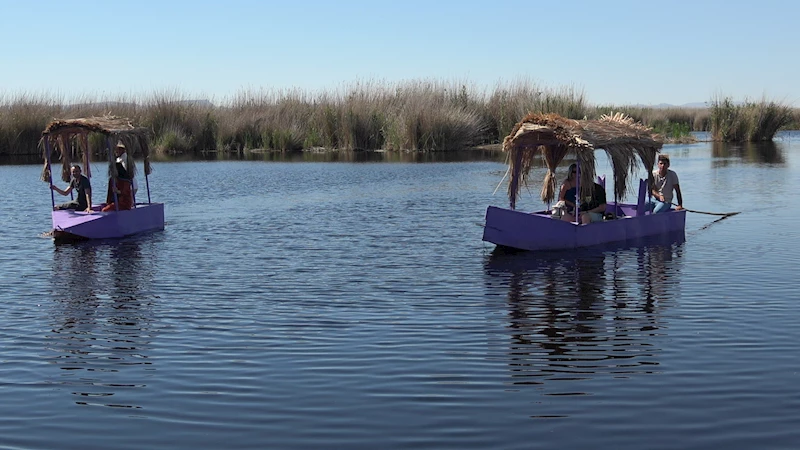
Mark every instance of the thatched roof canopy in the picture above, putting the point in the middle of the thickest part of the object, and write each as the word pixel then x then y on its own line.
pixel 552 137
pixel 70 137
pixel 105 125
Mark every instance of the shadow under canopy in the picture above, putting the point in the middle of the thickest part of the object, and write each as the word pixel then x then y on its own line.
pixel 554 137
pixel 70 138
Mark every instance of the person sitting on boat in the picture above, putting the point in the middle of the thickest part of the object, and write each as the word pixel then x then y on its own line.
pixel 591 210
pixel 666 181
pixel 80 183
pixel 569 183
pixel 122 186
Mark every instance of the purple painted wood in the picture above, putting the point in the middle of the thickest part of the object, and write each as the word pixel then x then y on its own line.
pixel 640 205
pixel 143 218
pixel 577 191
pixel 538 231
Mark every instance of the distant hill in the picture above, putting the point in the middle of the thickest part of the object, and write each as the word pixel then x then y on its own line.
pixel 669 105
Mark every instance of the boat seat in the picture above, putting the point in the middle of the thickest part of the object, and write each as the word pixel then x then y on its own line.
pixel 640 203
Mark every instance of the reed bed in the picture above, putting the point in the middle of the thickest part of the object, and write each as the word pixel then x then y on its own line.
pixel 749 121
pixel 416 115
pixel 697 119
pixel 22 119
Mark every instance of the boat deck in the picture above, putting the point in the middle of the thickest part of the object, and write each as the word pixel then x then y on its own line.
pixel 113 224
pixel 539 231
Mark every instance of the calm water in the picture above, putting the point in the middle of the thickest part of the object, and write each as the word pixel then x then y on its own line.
pixel 354 305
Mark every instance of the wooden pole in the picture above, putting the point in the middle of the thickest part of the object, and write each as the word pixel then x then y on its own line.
pixel 577 190
pixel 47 149
pixel 113 179
pixel 146 181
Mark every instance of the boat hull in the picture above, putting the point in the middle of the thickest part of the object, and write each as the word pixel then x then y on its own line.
pixel 71 225
pixel 538 231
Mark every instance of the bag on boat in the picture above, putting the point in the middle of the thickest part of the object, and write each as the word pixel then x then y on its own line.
pixel 559 209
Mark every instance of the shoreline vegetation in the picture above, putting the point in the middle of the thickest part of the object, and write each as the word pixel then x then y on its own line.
pixel 410 116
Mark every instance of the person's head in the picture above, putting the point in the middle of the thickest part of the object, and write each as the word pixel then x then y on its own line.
pixel 663 163
pixel 120 148
pixel 572 171
pixel 75 170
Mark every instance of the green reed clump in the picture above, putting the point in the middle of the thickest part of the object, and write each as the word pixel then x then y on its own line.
pixel 360 117
pixel 179 124
pixel 288 139
pixel 748 121
pixel 695 119
pixel 173 140
pixel 674 132
pixel 325 123
pixel 238 131
pixel 432 116
pixel 271 120
pixel 506 105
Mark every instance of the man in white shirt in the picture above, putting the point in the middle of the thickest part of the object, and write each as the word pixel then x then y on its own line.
pixel 666 181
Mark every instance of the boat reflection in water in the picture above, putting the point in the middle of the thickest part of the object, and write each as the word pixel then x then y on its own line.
pixel 586 313
pixel 101 321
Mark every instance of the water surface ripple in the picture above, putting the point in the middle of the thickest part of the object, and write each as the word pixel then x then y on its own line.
pixel 353 305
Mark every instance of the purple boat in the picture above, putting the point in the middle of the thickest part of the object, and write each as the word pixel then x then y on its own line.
pixel 73 142
pixel 551 138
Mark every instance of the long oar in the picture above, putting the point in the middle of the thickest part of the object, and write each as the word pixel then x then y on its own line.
pixel 723 216
pixel 710 213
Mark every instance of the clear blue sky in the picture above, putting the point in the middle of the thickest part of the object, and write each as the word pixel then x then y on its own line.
pixel 620 52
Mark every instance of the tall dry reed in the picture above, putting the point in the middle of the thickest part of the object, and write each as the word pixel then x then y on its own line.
pixel 22 119
pixel 415 115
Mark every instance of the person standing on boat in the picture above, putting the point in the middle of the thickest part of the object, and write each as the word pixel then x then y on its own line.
pixel 80 183
pixel 666 181
pixel 121 184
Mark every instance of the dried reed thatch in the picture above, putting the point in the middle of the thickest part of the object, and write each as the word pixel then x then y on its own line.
pixel 70 138
pixel 553 137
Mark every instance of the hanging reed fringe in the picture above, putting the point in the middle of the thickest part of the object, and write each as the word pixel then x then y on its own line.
pixel 70 138
pixel 553 137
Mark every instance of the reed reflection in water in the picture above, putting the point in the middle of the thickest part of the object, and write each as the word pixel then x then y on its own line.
pixel 768 152
pixel 587 313
pixel 101 321
pixel 322 155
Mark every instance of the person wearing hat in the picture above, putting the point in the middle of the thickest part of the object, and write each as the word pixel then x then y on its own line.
pixel 121 184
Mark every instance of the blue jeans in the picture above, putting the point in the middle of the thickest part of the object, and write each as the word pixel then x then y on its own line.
pixel 657 207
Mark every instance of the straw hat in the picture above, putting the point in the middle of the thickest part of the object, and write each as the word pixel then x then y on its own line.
pixel 120 144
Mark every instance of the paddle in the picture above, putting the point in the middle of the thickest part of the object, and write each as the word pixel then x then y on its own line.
pixel 710 213
pixel 724 215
